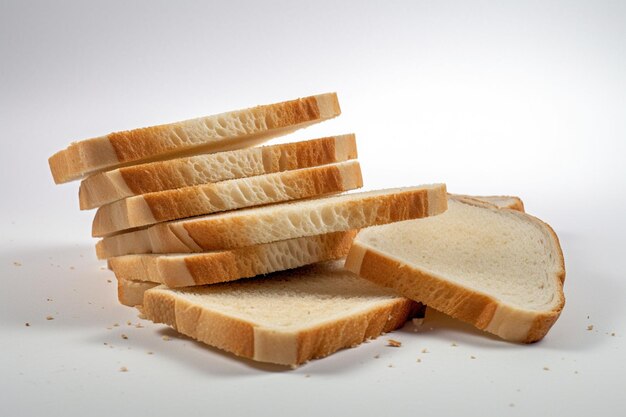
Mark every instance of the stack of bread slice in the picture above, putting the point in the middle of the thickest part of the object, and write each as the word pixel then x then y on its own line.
pixel 241 246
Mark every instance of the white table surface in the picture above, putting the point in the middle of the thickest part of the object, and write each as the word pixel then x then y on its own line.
pixel 488 97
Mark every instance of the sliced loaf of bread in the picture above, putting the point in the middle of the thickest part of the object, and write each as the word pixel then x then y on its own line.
pixel 107 187
pixel 184 270
pixel 288 318
pixel 265 224
pixel 226 131
pixel 498 269
pixel 147 209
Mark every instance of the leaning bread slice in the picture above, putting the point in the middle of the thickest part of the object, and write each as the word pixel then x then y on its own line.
pixel 184 270
pixel 265 224
pixel 147 209
pixel 287 318
pixel 232 130
pixel 107 187
pixel 498 269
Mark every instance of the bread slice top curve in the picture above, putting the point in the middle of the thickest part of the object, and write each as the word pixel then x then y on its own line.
pixel 499 201
pixel 225 131
pixel 146 209
pixel 271 223
pixel 107 187
pixel 498 269
pixel 288 318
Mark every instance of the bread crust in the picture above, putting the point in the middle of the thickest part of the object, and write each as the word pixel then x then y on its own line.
pixel 232 130
pixel 107 187
pixel 243 229
pixel 260 343
pixel 469 305
pixel 152 208
pixel 215 267
pixel 130 293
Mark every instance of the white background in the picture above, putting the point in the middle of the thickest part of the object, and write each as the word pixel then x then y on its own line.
pixel 522 98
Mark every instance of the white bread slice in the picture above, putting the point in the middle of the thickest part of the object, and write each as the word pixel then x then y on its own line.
pixel 107 187
pixel 130 293
pixel 247 227
pixel 221 132
pixel 147 209
pixel 498 269
pixel 288 318
pixel 184 270
pixel 499 201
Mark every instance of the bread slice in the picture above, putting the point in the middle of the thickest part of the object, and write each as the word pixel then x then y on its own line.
pixel 107 187
pixel 184 270
pixel 221 132
pixel 499 201
pixel 498 269
pixel 147 209
pixel 130 293
pixel 287 318
pixel 257 225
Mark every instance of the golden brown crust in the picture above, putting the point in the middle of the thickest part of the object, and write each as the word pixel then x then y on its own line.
pixel 237 335
pixel 391 208
pixel 455 300
pixel 223 266
pixel 186 202
pixel 215 232
pixel 246 262
pixel 189 137
pixel 325 339
pixel 130 293
pixel 138 144
pixel 107 187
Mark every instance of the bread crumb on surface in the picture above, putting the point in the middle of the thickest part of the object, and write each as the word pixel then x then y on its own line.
pixel 17 263
pixel 612 333
pixel 27 324
pixel 123 369
pixel 49 299
pixel 417 322
pixel 453 344
pixel 390 365
pixel 590 327
pixel 393 343
pixel 139 326
pixel 109 281
pixel 377 356
pixel 545 368
pixel 166 338
pixel 49 318
pixel 103 268
pixel 419 360
pixel 128 323
pixel 472 357
pixel 425 350
pixel 124 336
pixel 150 353
pixel 116 325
